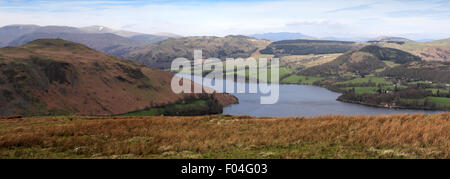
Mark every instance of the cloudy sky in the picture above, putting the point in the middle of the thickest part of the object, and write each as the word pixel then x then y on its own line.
pixel 415 19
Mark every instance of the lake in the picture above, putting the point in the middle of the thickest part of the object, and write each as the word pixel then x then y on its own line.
pixel 303 101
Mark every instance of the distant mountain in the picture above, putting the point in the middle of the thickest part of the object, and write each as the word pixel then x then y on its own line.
pixel 365 39
pixel 102 29
pixel 352 39
pixel 167 34
pixel 104 39
pixel 98 37
pixel 54 77
pixel 146 38
pixel 306 47
pixel 9 33
pixel 281 36
pixel 425 40
pixel 161 54
pixel 362 62
pixel 391 39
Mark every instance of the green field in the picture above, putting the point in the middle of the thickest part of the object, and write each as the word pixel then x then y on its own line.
pixel 417 82
pixel 372 90
pixel 435 90
pixel 391 64
pixel 296 79
pixel 367 79
pixel 246 73
pixel 440 101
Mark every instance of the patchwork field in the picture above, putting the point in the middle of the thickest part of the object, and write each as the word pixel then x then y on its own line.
pixel 222 136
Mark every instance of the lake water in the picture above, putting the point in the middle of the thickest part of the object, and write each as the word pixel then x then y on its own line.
pixel 303 100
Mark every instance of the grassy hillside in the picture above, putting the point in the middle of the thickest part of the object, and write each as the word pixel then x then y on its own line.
pixel 438 50
pixel 161 54
pixel 364 61
pixel 222 136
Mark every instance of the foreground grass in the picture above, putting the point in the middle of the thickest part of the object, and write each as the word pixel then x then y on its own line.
pixel 221 136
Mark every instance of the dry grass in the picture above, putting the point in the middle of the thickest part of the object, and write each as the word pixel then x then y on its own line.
pixel 398 136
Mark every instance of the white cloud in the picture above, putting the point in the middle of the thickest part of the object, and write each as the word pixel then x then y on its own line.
pixel 317 18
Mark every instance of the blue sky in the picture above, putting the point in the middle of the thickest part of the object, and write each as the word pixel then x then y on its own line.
pixel 415 19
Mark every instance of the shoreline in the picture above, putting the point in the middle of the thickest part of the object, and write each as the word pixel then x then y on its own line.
pixel 349 101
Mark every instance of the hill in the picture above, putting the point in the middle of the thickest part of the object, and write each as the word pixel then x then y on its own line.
pixel 361 62
pixel 438 50
pixel 306 47
pixel 52 76
pixel 278 36
pixel 107 43
pixel 161 54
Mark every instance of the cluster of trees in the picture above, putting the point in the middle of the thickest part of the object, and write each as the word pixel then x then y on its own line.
pixel 202 104
pixel 390 54
pixel 442 93
pixel 407 98
pixel 306 47
pixel 437 72
pixel 366 84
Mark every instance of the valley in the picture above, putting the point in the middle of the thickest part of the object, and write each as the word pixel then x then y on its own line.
pixel 228 79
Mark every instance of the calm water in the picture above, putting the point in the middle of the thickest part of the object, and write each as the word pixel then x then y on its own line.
pixel 304 100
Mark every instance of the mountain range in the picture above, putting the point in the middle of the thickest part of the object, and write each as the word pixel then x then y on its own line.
pixel 158 50
pixel 99 38
pixel 277 36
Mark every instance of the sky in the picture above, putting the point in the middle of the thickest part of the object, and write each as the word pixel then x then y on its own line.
pixel 414 19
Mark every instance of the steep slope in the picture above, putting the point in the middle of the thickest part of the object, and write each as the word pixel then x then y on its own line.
pixel 361 62
pixel 161 54
pixel 306 47
pixel 51 76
